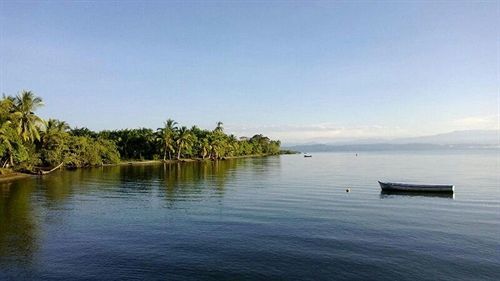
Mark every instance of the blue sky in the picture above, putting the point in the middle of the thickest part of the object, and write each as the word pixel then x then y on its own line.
pixel 298 71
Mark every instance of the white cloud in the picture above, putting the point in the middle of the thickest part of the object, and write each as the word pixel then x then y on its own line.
pixel 477 122
pixel 323 132
pixel 334 133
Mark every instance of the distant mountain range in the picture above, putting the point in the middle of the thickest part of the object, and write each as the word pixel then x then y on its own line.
pixel 484 137
pixel 470 139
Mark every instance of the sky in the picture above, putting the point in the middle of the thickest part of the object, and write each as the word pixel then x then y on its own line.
pixel 297 71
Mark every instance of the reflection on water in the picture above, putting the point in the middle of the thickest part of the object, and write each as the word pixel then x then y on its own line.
pixel 18 228
pixel 393 194
pixel 22 202
pixel 273 218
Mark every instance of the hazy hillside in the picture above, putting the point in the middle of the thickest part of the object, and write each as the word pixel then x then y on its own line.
pixel 484 137
pixel 471 139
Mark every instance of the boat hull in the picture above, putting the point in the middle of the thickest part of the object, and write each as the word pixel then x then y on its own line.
pixel 393 186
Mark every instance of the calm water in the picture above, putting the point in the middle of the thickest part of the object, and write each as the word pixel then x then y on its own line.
pixel 275 218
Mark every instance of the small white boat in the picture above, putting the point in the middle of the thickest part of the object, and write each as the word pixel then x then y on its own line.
pixel 410 187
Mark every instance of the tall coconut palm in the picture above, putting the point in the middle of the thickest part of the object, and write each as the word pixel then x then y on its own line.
pixel 28 124
pixel 219 128
pixel 218 146
pixel 205 148
pixel 168 138
pixel 233 145
pixel 185 140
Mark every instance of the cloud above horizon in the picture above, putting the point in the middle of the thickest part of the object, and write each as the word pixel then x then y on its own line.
pixel 320 132
pixel 490 122
pixel 330 132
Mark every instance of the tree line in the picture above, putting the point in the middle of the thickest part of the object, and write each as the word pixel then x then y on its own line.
pixel 27 141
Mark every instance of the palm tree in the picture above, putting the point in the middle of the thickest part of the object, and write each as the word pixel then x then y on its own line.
pixel 219 128
pixel 218 148
pixel 233 144
pixel 5 143
pixel 27 122
pixel 185 140
pixel 6 107
pixel 217 141
pixel 53 139
pixel 167 137
pixel 54 132
pixel 205 148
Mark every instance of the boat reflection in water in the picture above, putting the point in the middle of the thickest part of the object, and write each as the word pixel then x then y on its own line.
pixel 394 194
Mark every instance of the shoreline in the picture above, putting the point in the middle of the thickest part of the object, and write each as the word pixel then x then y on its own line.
pixel 19 175
pixel 13 176
pixel 184 160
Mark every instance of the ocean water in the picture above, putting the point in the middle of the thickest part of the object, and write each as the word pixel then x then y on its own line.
pixel 272 218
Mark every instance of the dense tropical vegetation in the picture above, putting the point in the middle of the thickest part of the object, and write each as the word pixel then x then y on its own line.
pixel 28 142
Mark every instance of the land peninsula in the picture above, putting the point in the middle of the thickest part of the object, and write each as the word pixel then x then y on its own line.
pixel 32 145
